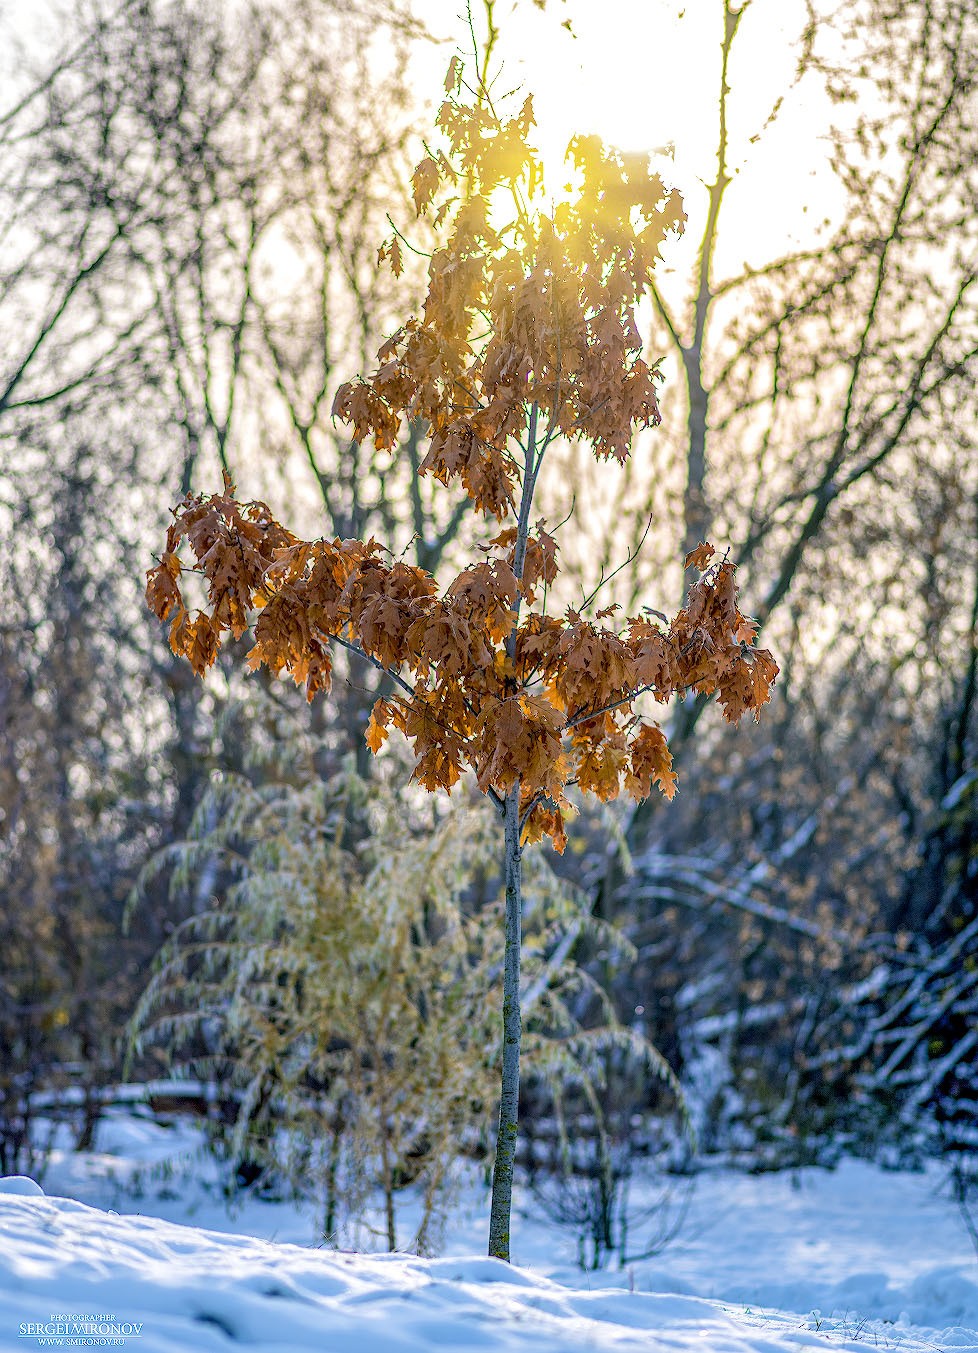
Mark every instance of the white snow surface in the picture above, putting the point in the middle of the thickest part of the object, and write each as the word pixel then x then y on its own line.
pixel 133 1234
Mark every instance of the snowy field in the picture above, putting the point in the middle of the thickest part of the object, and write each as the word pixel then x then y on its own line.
pixel 133 1236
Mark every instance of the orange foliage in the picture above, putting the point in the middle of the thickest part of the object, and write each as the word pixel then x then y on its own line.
pixel 527 333
pixel 560 711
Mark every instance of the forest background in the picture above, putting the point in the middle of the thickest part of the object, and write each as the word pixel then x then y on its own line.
pixel 190 208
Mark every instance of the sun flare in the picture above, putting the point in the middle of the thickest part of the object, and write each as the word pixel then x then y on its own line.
pixel 644 80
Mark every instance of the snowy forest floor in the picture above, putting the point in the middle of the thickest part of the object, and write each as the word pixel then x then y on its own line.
pixel 855 1258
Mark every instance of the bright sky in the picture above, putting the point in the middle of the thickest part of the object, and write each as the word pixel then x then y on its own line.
pixel 644 75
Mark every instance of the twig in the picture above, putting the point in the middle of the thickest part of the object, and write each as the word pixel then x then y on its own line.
pixel 421 253
pixel 374 662
pixel 630 557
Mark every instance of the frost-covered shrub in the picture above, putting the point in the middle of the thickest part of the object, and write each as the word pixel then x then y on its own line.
pixel 341 977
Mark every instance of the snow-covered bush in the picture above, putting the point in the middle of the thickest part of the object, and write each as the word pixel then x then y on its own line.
pixel 341 976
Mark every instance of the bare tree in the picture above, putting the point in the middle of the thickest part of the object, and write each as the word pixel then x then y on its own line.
pixel 183 204
pixel 821 432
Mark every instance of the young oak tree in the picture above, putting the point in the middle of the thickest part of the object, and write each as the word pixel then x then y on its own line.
pixel 528 333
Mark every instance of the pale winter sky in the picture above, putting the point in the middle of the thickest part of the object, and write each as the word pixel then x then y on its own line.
pixel 644 74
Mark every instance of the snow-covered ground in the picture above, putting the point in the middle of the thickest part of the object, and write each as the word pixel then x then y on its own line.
pixel 854 1258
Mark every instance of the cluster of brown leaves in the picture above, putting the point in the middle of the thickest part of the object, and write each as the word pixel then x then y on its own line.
pixel 536 310
pixel 526 322
pixel 547 700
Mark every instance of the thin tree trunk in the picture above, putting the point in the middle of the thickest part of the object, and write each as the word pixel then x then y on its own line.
pixel 509 1100
pixel 388 1192
pixel 332 1174
pixel 697 511
pixel 502 1173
